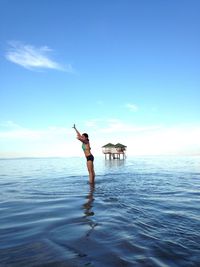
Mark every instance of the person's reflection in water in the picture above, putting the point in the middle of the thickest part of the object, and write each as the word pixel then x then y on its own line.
pixel 88 205
pixel 88 209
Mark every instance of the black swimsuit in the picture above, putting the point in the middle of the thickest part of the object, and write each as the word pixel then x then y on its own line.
pixel 90 157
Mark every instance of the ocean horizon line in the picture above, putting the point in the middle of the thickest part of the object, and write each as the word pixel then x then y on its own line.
pixel 98 156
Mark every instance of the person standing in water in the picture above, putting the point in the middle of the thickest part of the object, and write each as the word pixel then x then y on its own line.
pixel 86 149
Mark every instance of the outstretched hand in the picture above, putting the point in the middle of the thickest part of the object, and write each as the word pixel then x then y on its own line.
pixel 74 126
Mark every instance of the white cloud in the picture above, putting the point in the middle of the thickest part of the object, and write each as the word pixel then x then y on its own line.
pixel 9 124
pixel 100 102
pixel 52 141
pixel 31 57
pixel 61 141
pixel 147 139
pixel 116 126
pixel 180 139
pixel 131 107
pixel 11 130
pixel 93 123
pixel 120 127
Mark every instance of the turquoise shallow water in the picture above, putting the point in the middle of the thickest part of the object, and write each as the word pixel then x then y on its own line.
pixel 141 212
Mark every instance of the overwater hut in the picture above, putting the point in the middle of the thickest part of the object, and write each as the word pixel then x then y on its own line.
pixel 114 151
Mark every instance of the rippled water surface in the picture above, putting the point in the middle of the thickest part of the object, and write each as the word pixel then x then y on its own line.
pixel 141 212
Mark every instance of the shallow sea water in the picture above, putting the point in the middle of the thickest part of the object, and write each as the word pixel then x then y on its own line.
pixel 141 212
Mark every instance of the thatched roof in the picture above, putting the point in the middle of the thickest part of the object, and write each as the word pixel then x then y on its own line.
pixel 110 145
pixel 120 145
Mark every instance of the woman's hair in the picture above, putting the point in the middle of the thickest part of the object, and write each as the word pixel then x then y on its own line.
pixel 86 136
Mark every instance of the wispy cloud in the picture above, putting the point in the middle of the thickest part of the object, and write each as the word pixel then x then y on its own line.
pixel 11 130
pixel 116 126
pixel 16 140
pixel 100 102
pixel 31 57
pixel 131 107
pixel 61 141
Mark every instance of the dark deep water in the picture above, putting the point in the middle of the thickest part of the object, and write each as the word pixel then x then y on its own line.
pixel 141 212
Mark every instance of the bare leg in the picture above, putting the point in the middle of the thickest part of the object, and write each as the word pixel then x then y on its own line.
pixel 90 167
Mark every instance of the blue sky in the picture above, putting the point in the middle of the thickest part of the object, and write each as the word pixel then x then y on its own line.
pixel 123 71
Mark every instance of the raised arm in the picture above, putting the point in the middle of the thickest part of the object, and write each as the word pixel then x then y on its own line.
pixel 78 133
